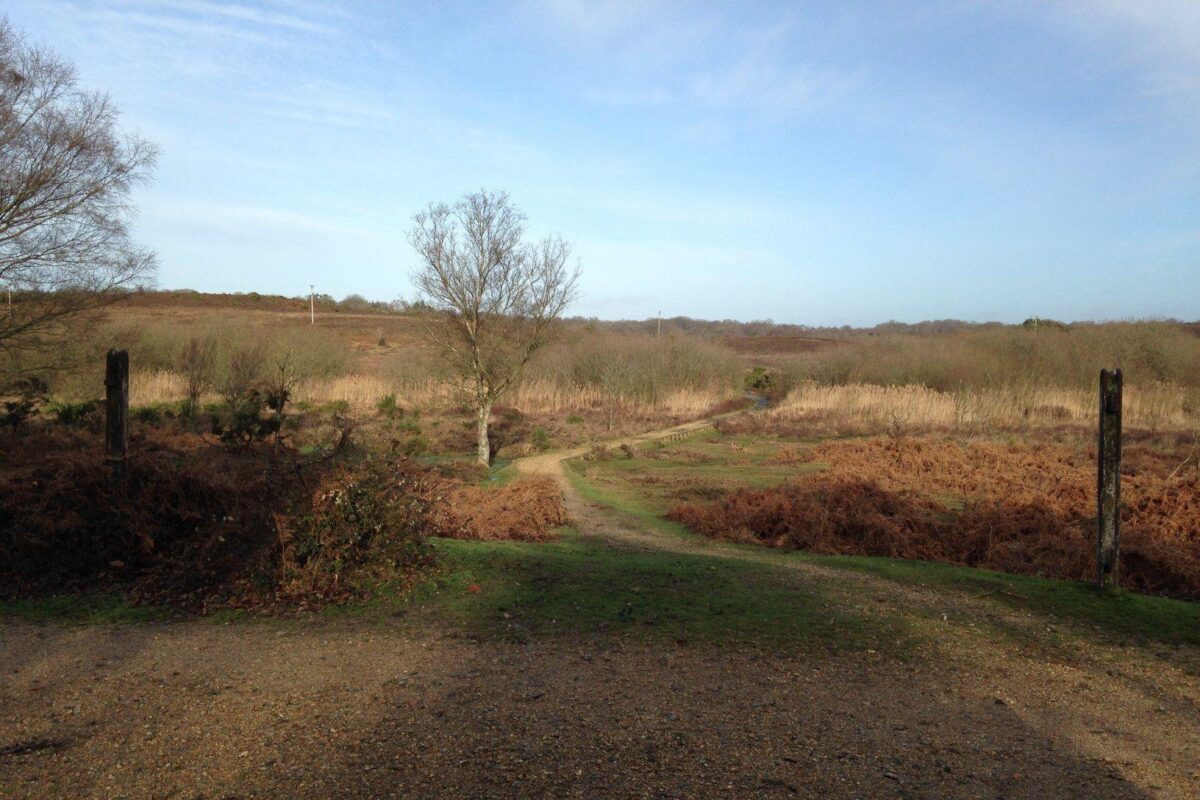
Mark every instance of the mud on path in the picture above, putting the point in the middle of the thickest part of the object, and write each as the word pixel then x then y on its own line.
pixel 318 709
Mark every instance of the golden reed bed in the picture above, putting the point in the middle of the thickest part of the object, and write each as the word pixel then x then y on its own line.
pixel 1153 406
pixel 364 392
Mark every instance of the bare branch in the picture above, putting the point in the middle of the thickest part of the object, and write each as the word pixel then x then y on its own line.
pixel 66 175
pixel 496 296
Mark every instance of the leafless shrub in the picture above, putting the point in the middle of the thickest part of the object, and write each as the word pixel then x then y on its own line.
pixel 242 375
pixel 197 365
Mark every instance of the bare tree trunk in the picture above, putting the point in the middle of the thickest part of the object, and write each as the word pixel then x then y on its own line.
pixel 485 448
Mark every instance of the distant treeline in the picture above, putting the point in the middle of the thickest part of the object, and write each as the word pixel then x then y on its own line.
pixel 730 329
pixel 325 303
pixel 719 329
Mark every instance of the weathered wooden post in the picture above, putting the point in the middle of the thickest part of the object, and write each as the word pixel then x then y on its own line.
pixel 1108 520
pixel 116 410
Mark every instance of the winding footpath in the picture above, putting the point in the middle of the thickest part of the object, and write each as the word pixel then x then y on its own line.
pixel 346 708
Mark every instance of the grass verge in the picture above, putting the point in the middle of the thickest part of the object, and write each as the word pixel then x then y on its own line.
pixel 578 586
pixel 85 608
pixel 1126 616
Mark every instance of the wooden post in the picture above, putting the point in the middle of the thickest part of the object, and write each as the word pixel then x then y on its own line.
pixel 1108 519
pixel 116 410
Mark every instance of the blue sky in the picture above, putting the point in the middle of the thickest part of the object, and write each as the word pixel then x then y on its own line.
pixel 821 163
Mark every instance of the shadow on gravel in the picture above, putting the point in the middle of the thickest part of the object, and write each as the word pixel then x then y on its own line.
pixel 544 720
pixel 318 711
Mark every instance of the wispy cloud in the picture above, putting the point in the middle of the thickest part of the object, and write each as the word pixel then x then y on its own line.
pixel 1161 38
pixel 244 13
pixel 660 54
pixel 259 222
pixel 325 103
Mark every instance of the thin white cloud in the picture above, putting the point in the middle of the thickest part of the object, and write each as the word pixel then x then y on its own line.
pixel 599 20
pixel 325 103
pixel 245 13
pixel 175 24
pixel 628 97
pixel 257 222
pixel 659 54
pixel 1161 39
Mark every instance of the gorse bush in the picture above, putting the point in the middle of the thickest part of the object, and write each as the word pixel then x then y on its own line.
pixel 86 413
pixel 244 423
pixel 367 527
pixel 387 407
pixel 203 527
pixel 25 396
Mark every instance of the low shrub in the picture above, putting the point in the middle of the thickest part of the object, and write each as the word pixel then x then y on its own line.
pixel 387 407
pixel 1024 509
pixel 83 414
pixel 201 526
pixel 188 521
pixel 25 398
pixel 241 423
pixel 528 509
pixel 598 452
pixel 366 526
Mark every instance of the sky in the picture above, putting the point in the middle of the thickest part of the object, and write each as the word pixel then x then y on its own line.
pixel 822 163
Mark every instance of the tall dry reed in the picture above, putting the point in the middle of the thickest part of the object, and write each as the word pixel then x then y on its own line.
pixel 1154 406
pixel 539 397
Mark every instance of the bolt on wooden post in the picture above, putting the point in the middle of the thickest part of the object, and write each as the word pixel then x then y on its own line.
pixel 116 410
pixel 1108 495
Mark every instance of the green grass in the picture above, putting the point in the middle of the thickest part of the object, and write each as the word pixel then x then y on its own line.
pixel 621 499
pixel 504 470
pixel 85 608
pixel 579 586
pixel 1125 616
pixel 704 460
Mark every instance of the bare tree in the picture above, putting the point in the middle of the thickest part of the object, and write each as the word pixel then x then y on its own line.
pixel 66 175
pixel 496 296
pixel 197 362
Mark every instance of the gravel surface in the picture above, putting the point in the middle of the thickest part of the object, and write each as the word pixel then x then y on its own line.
pixel 195 710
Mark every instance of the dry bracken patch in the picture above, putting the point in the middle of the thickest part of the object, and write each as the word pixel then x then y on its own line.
pixel 1017 508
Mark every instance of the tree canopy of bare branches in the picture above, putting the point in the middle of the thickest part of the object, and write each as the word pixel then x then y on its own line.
pixel 66 175
pixel 497 296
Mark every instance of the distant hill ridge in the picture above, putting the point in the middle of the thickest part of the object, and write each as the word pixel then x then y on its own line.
pixel 735 333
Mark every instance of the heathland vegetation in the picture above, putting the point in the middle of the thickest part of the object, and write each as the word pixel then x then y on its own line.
pixel 306 449
pixel 227 385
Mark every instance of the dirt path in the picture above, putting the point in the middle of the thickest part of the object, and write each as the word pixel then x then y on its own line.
pixel 347 709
